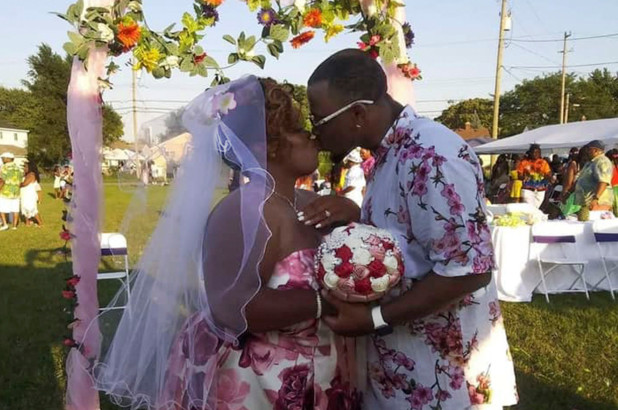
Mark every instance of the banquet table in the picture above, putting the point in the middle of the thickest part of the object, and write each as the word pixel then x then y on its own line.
pixel 517 274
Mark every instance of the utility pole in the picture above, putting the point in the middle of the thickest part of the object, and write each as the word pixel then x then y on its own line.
pixel 503 17
pixel 566 109
pixel 564 54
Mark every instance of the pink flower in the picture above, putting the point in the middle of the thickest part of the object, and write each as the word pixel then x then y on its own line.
pixel 260 356
pixel 73 281
pixel 443 395
pixel 68 294
pixel 424 394
pixel 377 252
pixel 457 378
pixel 341 396
pixel 419 188
pixel 423 171
pixel 482 264
pixel 401 359
pixel 65 235
pixel 475 396
pixel 374 40
pixel 449 193
pixel 362 45
pixel 293 384
pixel 438 161
pixel 231 390
pixel 456 208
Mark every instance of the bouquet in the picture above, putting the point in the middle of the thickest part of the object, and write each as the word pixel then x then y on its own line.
pixel 359 263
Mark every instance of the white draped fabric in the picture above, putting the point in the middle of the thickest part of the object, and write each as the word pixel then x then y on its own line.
pixel 517 274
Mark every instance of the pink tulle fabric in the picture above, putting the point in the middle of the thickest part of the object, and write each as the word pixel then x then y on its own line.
pixel 85 129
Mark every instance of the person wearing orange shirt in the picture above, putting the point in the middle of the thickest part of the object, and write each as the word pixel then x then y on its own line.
pixel 536 174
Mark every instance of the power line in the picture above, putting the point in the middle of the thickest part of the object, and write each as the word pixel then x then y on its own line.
pixel 518 67
pixel 533 52
pixel 519 40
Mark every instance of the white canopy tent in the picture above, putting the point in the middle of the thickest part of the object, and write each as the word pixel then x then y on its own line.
pixel 557 138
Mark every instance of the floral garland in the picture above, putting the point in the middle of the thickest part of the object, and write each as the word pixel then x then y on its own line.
pixel 123 29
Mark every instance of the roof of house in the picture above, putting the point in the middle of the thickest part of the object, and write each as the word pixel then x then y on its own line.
pixel 8 125
pixel 17 151
pixel 469 132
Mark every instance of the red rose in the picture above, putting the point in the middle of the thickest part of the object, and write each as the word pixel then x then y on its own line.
pixel 344 253
pixel 363 287
pixel 68 294
pixel 73 281
pixel 376 268
pixel 321 272
pixel 199 58
pixel 388 246
pixel 65 235
pixel 374 54
pixel 344 270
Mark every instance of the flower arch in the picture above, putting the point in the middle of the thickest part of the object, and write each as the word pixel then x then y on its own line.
pixel 105 29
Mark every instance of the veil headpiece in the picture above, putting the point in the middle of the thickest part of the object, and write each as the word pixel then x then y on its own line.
pixel 201 262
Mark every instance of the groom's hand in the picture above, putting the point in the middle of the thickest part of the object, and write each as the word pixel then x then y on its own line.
pixel 330 210
pixel 351 319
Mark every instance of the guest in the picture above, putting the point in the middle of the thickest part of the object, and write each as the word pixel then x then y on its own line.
pixel 577 158
pixel 499 177
pixel 535 173
pixel 354 186
pixel 30 195
pixel 368 162
pixel 556 165
pixel 612 154
pixel 593 187
pixel 11 176
pixel 516 183
pixel 57 179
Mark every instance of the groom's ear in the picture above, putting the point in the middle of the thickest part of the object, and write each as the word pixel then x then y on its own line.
pixel 359 115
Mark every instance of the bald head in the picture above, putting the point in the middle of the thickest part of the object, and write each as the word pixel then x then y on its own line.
pixel 351 75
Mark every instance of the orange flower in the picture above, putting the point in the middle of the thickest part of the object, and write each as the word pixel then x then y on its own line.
pixel 313 18
pixel 302 38
pixel 213 3
pixel 129 34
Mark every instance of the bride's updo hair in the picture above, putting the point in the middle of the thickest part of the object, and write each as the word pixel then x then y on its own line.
pixel 282 112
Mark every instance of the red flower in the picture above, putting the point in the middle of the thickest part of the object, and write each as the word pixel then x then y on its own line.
pixel 344 253
pixel 65 235
pixel 377 269
pixel 321 272
pixel 199 58
pixel 68 342
pixel 374 40
pixel 344 270
pixel 374 53
pixel 363 287
pixel 362 45
pixel 128 35
pixel 68 294
pixel 388 246
pixel 73 281
pixel 313 18
pixel 302 38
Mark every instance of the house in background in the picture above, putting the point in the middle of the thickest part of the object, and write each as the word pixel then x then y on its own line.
pixel 14 140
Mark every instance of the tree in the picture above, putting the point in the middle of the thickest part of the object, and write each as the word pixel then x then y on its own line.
pixel 173 124
pixel 477 111
pixel 41 108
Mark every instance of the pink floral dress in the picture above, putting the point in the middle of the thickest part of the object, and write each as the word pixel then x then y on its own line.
pixel 294 368
pixel 427 189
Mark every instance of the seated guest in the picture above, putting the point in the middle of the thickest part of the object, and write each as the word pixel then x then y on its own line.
pixel 535 173
pixel 593 187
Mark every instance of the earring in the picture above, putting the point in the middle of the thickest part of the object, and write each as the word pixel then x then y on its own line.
pixel 358 125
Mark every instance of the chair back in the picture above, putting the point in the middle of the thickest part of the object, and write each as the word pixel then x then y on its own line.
pixel 556 239
pixel 113 244
pixel 605 230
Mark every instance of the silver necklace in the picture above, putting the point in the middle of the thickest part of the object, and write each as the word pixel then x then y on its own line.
pixel 292 204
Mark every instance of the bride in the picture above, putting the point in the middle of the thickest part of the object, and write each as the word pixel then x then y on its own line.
pixel 225 310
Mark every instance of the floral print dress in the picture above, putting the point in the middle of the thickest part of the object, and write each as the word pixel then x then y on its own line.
pixel 294 368
pixel 427 189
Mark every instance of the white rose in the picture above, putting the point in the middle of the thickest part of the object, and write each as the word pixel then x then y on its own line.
pixel 134 6
pixel 329 261
pixel 105 33
pixel 379 285
pixel 361 257
pixel 391 264
pixel 331 280
pixel 355 243
pixel 172 61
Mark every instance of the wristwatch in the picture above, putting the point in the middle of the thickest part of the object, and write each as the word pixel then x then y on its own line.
pixel 379 324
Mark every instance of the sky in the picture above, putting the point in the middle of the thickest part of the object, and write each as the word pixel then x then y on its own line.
pixel 456 47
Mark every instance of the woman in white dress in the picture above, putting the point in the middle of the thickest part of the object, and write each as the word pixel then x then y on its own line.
pixel 354 186
pixel 30 195
pixel 57 179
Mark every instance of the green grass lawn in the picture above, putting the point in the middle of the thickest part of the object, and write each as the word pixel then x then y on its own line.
pixel 565 353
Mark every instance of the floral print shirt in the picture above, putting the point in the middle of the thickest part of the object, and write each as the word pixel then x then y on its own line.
pixel 427 189
pixel 12 175
pixel 599 169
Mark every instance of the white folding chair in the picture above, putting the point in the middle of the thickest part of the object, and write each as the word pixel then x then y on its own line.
pixel 554 197
pixel 606 234
pixel 115 244
pixel 546 237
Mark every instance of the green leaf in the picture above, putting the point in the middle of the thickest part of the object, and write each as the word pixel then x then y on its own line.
pixel 186 64
pixel 229 39
pixel 198 50
pixel 189 22
pixel 79 8
pixel 202 71
pixel 210 62
pixel 272 49
pixel 75 38
pixel 250 43
pixel 259 61
pixel 158 72
pixel 169 28
pixel 279 32
pixel 70 48
pixel 232 58
pixel 279 45
pixel 62 16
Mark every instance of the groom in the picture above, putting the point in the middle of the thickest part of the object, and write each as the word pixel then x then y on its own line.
pixel 439 340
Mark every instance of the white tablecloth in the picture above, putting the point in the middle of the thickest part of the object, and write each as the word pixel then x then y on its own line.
pixel 517 274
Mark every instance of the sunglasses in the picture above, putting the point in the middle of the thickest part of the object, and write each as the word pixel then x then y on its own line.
pixel 337 113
